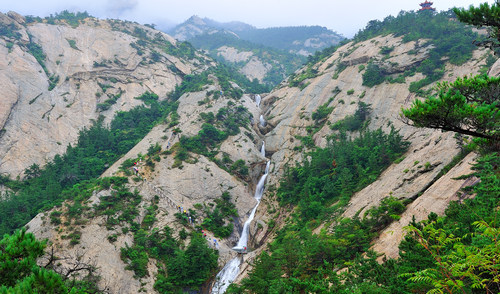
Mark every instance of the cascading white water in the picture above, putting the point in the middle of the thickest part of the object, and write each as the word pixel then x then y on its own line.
pixel 226 276
pixel 257 100
pixel 262 121
pixel 230 271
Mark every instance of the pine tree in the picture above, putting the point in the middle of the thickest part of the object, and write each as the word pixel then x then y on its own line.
pixel 470 106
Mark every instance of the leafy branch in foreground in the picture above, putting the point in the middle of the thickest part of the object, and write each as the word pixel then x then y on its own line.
pixel 475 264
pixel 470 106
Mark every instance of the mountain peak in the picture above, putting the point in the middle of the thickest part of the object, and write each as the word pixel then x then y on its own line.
pixel 195 19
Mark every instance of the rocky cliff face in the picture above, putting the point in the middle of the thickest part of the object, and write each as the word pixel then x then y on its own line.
pixel 254 67
pixel 287 111
pixel 90 70
pixel 199 182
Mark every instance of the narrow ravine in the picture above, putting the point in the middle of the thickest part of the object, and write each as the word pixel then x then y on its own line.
pixel 231 270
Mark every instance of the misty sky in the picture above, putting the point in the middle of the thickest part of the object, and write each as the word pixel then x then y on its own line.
pixel 344 16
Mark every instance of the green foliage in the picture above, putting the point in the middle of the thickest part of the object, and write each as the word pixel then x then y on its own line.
pixel 19 272
pixel 239 167
pixel 206 139
pixel 302 262
pixel 10 31
pixel 190 83
pixel 226 122
pixel 490 60
pixel 461 247
pixel 382 215
pixel 73 19
pixel 224 74
pixel 190 268
pixel 53 80
pixel 450 39
pixel 333 173
pixel 384 50
pixel 483 16
pixel 177 268
pixel 181 49
pixel 216 219
pixel 154 149
pixel 283 37
pixel 37 52
pixel 373 75
pixel 118 207
pixel 469 106
pixel 298 81
pixel 96 149
pixel 282 63
pixel 354 122
pixel 18 256
pixel 432 258
pixel 72 44
pixel 322 112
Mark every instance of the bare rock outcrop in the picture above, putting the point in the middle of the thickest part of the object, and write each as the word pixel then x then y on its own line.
pixel 254 68
pixel 81 73
pixel 289 109
pixel 435 199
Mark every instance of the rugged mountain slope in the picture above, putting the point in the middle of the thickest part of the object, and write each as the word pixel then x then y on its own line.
pixel 174 171
pixel 196 25
pixel 265 64
pixel 200 181
pixel 288 111
pixel 96 68
pixel 339 84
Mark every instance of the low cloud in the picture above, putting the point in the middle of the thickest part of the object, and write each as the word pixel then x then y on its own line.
pixel 120 7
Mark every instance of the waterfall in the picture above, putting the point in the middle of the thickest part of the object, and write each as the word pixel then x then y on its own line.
pixel 257 100
pixel 231 270
pixel 227 275
pixel 242 242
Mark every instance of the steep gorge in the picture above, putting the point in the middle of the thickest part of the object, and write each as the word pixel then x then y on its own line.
pixel 337 83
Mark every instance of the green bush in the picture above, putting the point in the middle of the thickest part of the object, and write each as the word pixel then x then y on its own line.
pixel 373 75
pixel 322 112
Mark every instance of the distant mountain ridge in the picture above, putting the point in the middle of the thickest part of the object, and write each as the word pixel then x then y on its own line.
pixel 304 40
pixel 268 55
